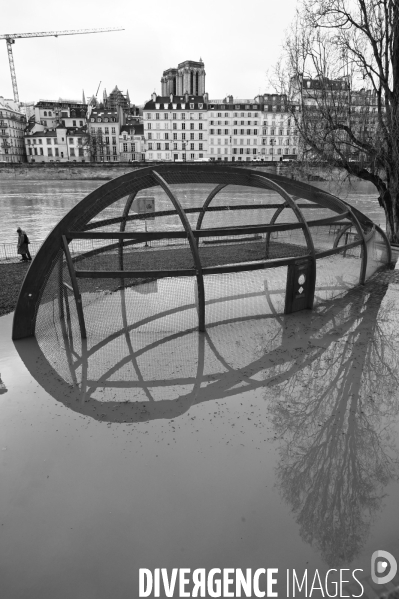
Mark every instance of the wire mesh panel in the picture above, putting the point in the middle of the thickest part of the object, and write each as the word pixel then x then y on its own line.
pixel 247 294
pixel 377 253
pixel 337 274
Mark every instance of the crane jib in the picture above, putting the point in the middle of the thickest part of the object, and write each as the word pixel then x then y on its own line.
pixel 11 37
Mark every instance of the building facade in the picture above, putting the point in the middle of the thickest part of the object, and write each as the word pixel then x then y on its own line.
pixel 12 127
pixel 57 145
pixel 131 143
pixel 279 132
pixel 50 114
pixel 233 129
pixel 175 128
pixel 104 130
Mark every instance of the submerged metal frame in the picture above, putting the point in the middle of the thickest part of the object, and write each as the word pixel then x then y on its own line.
pixel 80 221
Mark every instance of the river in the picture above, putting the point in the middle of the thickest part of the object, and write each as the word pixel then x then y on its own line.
pixel 37 206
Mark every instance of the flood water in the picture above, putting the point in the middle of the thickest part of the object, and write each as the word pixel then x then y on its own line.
pixel 266 442
pixel 37 206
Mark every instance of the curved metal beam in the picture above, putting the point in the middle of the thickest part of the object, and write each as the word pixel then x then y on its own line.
pixel 272 221
pixel 268 184
pixel 122 227
pixel 205 205
pixel 341 232
pixel 193 245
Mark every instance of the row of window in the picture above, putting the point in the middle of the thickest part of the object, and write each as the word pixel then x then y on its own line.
pixel 174 126
pixel 103 120
pixel 49 140
pixel 98 130
pixel 176 136
pixel 182 116
pixel 235 142
pixel 175 146
pixel 250 123
pixel 40 152
pixel 235 131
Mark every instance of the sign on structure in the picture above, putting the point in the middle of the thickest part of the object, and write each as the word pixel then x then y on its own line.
pixel 144 205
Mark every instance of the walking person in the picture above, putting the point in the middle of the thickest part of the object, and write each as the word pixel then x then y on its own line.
pixel 23 245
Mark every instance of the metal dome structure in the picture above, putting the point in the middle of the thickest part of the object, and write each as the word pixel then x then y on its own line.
pixel 262 228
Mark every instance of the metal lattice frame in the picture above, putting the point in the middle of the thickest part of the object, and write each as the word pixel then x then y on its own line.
pixel 78 223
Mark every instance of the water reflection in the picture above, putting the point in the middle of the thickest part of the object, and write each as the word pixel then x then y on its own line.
pixel 330 380
pixel 335 416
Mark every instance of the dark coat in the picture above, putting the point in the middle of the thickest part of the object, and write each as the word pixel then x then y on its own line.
pixel 22 247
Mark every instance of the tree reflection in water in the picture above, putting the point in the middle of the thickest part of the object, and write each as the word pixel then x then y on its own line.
pixel 334 410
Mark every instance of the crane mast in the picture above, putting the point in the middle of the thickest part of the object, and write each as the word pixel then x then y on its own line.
pixel 11 37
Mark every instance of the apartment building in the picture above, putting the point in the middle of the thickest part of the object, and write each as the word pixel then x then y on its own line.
pixel 175 128
pixel 131 142
pixel 104 129
pixel 12 126
pixel 233 129
pixel 57 145
pixel 279 133
pixel 50 114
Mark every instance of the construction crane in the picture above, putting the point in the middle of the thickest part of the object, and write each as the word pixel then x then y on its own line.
pixel 11 37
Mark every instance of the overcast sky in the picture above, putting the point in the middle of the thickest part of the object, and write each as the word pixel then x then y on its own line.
pixel 238 42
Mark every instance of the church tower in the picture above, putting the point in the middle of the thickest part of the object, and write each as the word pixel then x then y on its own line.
pixel 189 77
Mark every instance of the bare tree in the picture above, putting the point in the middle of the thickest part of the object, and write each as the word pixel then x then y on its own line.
pixel 341 67
pixel 94 145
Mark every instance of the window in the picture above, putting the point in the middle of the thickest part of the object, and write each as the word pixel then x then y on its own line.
pixel 45 113
pixel 150 146
pixel 200 135
pixel 125 147
pixel 174 116
pixel 174 135
pixel 183 116
pixel 73 123
pixel 80 151
pixel 72 151
pixel 166 116
pixel 80 123
pixel 56 151
pixel 158 146
pixel 192 125
pixel 71 140
pixel 191 146
pixel 41 151
pixel 148 125
pixel 106 130
pixel 157 116
pixel 200 146
pixel 183 125
pixel 219 132
pixel 248 131
pixel 174 125
pixel 191 135
pixel 183 136
pixel 166 135
pixel 48 141
pixel 192 106
pixel 150 136
pixel 167 146
pixel 113 130
pixel 114 140
pixel 175 146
